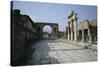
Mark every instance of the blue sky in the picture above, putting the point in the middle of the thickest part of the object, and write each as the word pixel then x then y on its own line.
pixel 55 13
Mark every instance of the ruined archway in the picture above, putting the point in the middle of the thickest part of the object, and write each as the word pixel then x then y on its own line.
pixel 47 31
pixel 54 32
pixel 47 28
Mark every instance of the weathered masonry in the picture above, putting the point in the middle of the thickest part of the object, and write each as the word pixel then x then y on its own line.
pixel 85 31
pixel 54 26
pixel 72 22
pixel 23 34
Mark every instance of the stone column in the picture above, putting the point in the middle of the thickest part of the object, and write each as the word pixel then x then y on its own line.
pixel 68 30
pixel 89 36
pixel 56 32
pixel 71 31
pixel 75 27
pixel 53 32
pixel 83 35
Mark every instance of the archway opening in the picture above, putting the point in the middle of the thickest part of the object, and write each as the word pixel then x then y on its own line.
pixel 47 31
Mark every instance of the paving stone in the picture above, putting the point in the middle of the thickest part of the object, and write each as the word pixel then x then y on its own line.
pixel 55 51
pixel 45 61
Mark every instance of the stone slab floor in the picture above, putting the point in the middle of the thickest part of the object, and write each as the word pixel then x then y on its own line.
pixel 56 52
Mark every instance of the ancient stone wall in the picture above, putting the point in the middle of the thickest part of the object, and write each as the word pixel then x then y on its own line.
pixel 23 34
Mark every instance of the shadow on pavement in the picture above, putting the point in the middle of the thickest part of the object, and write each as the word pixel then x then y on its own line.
pixel 30 51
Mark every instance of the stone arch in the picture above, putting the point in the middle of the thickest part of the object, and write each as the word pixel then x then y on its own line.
pixel 54 27
pixel 47 26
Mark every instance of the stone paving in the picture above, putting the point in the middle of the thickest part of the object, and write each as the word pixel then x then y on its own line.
pixel 82 44
pixel 55 51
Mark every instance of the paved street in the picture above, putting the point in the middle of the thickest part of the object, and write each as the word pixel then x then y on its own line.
pixel 55 51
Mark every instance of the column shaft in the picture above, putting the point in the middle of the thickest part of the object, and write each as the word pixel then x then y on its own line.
pixel 71 31
pixel 89 36
pixel 83 35
pixel 68 31
pixel 75 30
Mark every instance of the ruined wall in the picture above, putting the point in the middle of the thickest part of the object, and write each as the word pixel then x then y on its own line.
pixel 54 26
pixel 23 34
